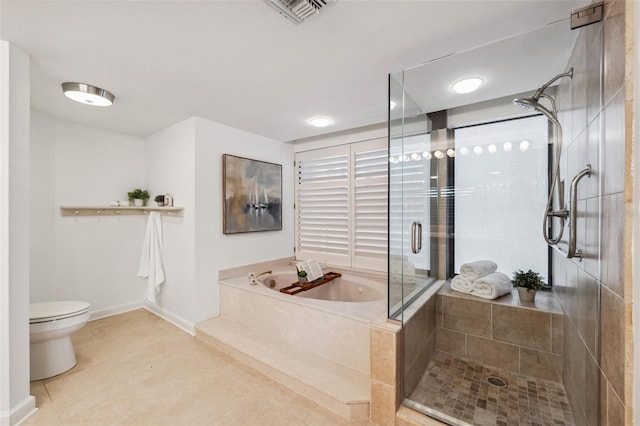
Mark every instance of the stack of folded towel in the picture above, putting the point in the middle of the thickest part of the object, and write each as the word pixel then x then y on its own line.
pixel 481 279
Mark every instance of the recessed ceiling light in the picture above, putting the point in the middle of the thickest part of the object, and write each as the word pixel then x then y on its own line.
pixel 467 85
pixel 438 154
pixel 492 148
pixel 320 121
pixel 87 94
pixel 524 145
pixel 464 150
pixel 477 149
pixel 451 152
pixel 507 146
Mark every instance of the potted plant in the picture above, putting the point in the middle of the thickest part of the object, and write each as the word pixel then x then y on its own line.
pixel 302 277
pixel 139 196
pixel 527 283
pixel 159 199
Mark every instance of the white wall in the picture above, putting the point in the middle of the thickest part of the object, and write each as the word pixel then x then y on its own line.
pixel 87 258
pixel 170 168
pixel 361 134
pixel 95 258
pixel 214 250
pixel 15 401
pixel 186 161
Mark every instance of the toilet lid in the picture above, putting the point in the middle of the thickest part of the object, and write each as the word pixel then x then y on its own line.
pixel 49 311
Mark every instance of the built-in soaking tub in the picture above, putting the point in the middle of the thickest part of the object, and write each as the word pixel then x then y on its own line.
pixel 349 288
pixel 316 342
pixel 331 320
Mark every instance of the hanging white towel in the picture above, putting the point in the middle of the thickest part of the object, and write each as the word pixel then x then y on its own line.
pixel 492 286
pixel 474 270
pixel 151 261
pixel 461 284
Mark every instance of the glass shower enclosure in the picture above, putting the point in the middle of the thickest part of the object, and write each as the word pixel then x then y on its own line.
pixel 468 176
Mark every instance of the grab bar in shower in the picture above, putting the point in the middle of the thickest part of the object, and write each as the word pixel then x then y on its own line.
pixel 573 212
pixel 416 237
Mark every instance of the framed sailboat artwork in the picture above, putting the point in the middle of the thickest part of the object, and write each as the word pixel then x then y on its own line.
pixel 252 193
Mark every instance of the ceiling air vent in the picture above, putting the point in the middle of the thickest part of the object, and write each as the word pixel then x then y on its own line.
pixel 298 11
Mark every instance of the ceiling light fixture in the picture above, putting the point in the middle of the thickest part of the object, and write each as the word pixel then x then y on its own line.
pixel 467 85
pixel 492 148
pixel 320 121
pixel 87 94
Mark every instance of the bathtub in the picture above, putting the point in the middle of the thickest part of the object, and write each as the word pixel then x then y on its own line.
pixel 344 289
pixel 330 321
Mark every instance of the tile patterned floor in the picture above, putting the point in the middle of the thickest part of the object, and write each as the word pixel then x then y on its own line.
pixel 459 388
pixel 137 369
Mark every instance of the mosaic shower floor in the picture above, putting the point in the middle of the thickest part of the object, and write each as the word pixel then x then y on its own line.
pixel 457 390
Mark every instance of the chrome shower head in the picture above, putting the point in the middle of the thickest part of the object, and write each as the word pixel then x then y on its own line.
pixel 525 103
pixel 534 104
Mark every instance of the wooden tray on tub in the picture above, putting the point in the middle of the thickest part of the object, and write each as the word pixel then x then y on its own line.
pixel 296 288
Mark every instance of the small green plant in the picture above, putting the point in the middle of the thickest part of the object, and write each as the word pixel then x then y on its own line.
pixel 159 198
pixel 302 274
pixel 138 194
pixel 529 280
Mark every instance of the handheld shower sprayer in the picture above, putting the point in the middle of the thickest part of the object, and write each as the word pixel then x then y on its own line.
pixel 533 103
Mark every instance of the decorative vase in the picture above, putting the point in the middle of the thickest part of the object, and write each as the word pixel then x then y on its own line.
pixel 526 295
pixel 138 202
pixel 302 280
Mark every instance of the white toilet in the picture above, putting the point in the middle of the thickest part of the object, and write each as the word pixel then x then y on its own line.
pixel 51 325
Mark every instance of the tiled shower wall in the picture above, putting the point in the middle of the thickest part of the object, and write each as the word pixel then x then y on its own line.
pixel 591 290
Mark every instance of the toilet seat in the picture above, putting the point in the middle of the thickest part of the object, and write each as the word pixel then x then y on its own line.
pixel 53 311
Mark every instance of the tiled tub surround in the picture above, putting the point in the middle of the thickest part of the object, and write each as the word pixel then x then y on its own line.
pixel 521 337
pixel 319 348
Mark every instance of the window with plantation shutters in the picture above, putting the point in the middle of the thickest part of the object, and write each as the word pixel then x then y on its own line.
pixel 341 205
pixel 369 186
pixel 322 205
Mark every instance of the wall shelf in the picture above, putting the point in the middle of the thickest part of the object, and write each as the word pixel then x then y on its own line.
pixel 118 210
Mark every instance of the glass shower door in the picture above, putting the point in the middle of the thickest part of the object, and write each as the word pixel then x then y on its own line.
pixel 412 190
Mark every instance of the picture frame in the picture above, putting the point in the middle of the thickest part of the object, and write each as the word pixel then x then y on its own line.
pixel 252 195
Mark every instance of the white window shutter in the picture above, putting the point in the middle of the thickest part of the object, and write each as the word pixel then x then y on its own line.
pixel 341 205
pixel 322 205
pixel 369 186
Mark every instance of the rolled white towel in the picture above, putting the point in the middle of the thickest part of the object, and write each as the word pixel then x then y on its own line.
pixel 461 284
pixel 491 286
pixel 474 270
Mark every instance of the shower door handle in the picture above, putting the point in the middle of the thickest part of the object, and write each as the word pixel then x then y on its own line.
pixel 416 237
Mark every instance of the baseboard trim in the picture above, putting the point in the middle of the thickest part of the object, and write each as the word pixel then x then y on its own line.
pixel 19 413
pixel 121 309
pixel 174 319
